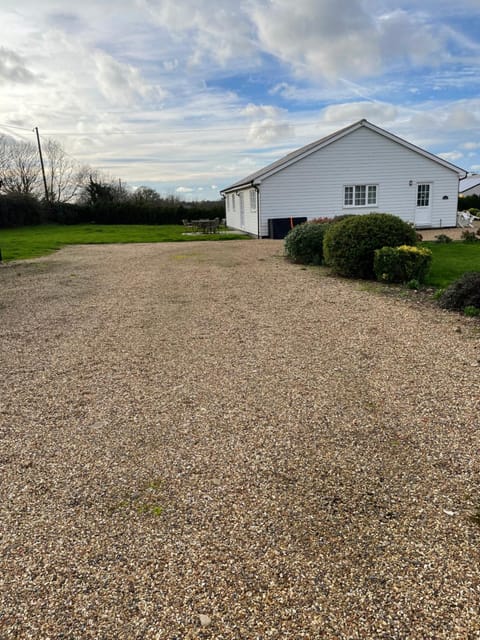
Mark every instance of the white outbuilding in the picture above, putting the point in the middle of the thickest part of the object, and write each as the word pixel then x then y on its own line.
pixel 359 169
pixel 470 186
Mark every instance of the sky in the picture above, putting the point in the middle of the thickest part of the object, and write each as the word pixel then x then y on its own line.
pixel 188 96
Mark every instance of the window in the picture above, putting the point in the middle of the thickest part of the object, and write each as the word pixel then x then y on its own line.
pixel 423 195
pixel 360 195
pixel 253 200
pixel 233 202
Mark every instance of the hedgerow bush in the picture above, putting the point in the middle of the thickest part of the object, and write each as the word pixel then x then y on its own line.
pixel 464 292
pixel 304 243
pixel 349 245
pixel 402 264
pixel 18 209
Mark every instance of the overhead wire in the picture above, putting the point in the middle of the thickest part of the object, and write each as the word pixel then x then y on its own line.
pixel 123 132
pixel 13 126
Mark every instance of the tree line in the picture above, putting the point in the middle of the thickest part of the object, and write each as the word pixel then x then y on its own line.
pixel 72 193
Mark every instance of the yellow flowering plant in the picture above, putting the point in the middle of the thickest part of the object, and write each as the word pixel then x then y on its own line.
pixel 402 264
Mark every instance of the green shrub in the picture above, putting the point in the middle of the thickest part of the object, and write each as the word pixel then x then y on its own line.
pixel 469 236
pixel 349 246
pixel 304 243
pixel 471 311
pixel 443 238
pixel 402 264
pixel 464 292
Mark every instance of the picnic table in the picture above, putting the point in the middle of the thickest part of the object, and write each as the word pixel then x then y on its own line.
pixel 206 225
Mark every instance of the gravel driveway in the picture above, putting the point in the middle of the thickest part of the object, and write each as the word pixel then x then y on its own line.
pixel 201 440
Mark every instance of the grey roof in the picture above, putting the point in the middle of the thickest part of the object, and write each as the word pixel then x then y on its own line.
pixel 468 183
pixel 257 176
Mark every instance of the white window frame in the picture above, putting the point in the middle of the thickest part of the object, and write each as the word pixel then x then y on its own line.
pixel 356 196
pixel 423 194
pixel 253 200
pixel 233 202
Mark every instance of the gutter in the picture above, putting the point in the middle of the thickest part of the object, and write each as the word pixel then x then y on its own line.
pixel 258 210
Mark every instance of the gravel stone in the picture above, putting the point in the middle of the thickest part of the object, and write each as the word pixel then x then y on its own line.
pixel 205 430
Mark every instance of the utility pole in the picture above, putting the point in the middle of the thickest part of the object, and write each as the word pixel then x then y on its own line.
pixel 42 165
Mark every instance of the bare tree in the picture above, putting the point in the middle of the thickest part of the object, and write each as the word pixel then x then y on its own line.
pixel 65 177
pixel 19 166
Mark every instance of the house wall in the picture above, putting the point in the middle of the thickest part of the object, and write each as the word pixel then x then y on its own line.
pixel 249 221
pixel 314 186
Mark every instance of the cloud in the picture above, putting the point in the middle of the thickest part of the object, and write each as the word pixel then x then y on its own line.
pixel 411 37
pixel 268 131
pixel 122 83
pixel 184 190
pixel 66 21
pixel 262 111
pixel 463 117
pixel 451 156
pixel 268 124
pixel 13 68
pixel 341 114
pixel 353 39
pixel 471 145
pixel 214 32
pixel 319 36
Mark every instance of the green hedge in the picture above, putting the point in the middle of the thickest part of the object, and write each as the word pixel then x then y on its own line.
pixel 23 210
pixel 19 210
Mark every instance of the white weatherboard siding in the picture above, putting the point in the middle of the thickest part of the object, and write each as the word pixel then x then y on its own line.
pixel 246 219
pixel 313 186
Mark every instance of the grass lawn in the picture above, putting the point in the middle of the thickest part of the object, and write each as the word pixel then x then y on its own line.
pixel 31 242
pixel 451 260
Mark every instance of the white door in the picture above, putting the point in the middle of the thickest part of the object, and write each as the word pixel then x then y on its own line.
pixel 423 205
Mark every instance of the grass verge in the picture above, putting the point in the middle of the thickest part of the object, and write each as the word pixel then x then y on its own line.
pixel 451 260
pixel 32 242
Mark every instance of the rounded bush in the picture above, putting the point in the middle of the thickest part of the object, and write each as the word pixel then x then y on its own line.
pixel 304 243
pixel 349 246
pixel 464 292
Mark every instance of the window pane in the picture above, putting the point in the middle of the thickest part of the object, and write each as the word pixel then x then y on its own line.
pixel 423 195
pixel 360 191
pixel 253 200
pixel 348 198
pixel 372 194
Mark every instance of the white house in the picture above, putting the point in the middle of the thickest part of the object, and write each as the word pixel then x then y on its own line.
pixel 356 170
pixel 470 186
